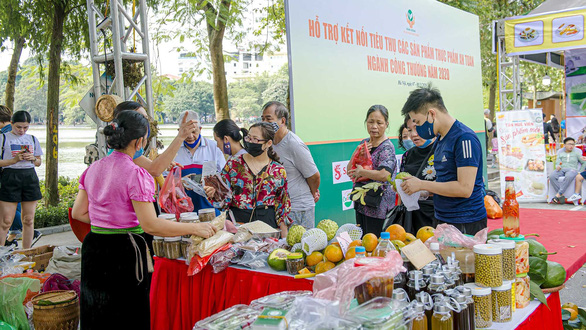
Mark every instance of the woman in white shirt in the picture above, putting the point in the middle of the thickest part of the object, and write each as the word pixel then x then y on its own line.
pixel 20 154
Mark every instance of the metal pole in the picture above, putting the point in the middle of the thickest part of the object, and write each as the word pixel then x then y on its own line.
pixel 147 63
pixel 117 49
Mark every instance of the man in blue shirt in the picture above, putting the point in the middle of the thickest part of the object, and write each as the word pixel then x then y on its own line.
pixel 458 192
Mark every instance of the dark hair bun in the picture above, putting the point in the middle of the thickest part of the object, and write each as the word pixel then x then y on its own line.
pixel 128 125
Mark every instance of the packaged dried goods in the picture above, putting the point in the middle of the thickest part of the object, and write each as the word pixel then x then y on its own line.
pixel 488 265
pixel 482 306
pixel 501 303
pixel 522 293
pixel 295 263
pixel 235 317
pixel 172 247
pixel 206 215
pixel 509 265
pixel 158 246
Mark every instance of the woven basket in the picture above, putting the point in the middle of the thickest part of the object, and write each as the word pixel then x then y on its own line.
pixel 552 290
pixel 105 106
pixel 56 310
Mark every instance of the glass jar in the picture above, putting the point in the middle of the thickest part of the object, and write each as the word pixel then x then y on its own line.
pixel 465 257
pixel 173 247
pixel 158 246
pixel 482 306
pixel 467 292
pixel 295 263
pixel 374 287
pixel 522 257
pixel 416 283
pixel 206 215
pixel 510 209
pixel 427 271
pixel 185 244
pixel 419 317
pixel 442 318
pixel 400 295
pixel 509 265
pixel 188 217
pixel 437 284
pixel 167 216
pixel 522 293
pixel 488 264
pixel 427 301
pixel 501 303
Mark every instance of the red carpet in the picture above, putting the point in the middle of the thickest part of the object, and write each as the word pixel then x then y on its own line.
pixel 560 231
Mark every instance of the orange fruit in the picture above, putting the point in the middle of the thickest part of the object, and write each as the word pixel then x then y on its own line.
pixel 571 306
pixel 314 258
pixel 355 243
pixel 324 266
pixel 409 238
pixel 424 233
pixel 573 313
pixel 351 253
pixel 369 241
pixel 397 232
pixel 334 253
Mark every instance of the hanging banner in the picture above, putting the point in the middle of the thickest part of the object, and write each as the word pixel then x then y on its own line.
pixel 522 153
pixel 576 94
pixel 545 32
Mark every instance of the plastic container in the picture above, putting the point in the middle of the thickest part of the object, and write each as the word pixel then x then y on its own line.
pixel 375 287
pixel 206 215
pixel 488 264
pixel 442 318
pixel 502 311
pixel 465 257
pixel 380 313
pixel 173 247
pixel 185 244
pixel 360 252
pixel 521 253
pixel 167 216
pixel 295 263
pixel 159 246
pixel 384 245
pixel 281 300
pixel 509 265
pixel 482 306
pixel 188 217
pixel 467 292
pixel 235 317
pixel 522 293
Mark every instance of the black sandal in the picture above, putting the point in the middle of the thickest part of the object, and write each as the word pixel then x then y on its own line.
pixel 555 200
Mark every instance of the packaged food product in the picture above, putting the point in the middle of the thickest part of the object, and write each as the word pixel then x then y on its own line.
pixel 158 246
pixel 442 317
pixel 380 313
pixel 206 215
pixel 295 263
pixel 375 287
pixel 482 306
pixel 522 293
pixel 188 217
pixel 235 317
pixel 522 257
pixel 510 209
pixel 172 247
pixel 281 300
pixel 185 243
pixel 488 265
pixel 501 303
pixel 209 245
pixel 465 257
pixel 167 216
pixel 509 256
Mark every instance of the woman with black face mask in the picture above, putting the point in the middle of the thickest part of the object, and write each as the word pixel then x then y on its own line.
pixel 258 182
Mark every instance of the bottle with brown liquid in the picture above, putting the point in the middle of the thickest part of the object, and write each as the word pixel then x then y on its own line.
pixel 442 318
pixel 419 318
pixel 416 283
pixel 461 315
pixel 425 299
pixel 437 284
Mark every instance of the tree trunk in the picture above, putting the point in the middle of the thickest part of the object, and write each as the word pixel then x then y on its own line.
pixel 219 85
pixel 492 100
pixel 12 70
pixel 51 173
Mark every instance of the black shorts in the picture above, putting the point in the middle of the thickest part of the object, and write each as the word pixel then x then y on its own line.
pixel 19 185
pixel 470 228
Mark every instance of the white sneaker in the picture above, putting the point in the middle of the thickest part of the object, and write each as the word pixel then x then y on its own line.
pixel 574 197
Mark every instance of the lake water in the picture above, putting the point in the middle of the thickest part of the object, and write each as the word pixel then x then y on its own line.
pixel 72 142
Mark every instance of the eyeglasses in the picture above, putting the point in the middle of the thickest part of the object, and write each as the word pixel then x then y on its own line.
pixel 250 139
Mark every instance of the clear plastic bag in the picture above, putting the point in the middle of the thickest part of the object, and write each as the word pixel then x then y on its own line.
pixel 197 263
pixel 235 317
pixel 309 313
pixel 281 300
pixel 338 284
pixel 254 260
pixel 172 197
pixel 211 178
pixel 12 294
pixel 209 245
pixel 449 236
pixel 218 223
pixel 221 260
pixel 197 188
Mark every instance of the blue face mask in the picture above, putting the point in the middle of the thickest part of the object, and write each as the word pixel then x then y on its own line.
pixel 138 153
pixel 427 142
pixel 192 145
pixel 425 131
pixel 408 144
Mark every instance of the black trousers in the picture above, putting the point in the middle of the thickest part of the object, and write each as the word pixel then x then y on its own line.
pixel 369 224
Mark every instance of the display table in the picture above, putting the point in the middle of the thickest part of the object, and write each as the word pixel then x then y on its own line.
pixel 178 301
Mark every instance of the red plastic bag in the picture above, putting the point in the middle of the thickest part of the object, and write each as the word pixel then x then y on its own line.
pixel 172 198
pixel 361 156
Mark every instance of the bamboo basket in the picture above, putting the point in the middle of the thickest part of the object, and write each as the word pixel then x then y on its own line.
pixel 105 106
pixel 56 310
pixel 552 290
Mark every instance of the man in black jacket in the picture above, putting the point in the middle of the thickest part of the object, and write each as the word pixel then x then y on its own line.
pixel 547 131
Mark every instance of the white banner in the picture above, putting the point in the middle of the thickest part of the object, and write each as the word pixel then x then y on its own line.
pixel 522 153
pixel 339 172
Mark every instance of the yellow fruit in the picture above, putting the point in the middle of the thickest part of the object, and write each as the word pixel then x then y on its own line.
pixel 398 244
pixel 573 313
pixel 305 271
pixel 333 253
pixel 424 233
pixel 409 238
pixel 570 305
pixel 397 232
pixel 355 243
pixel 314 258
pixel 351 253
pixel 369 241
pixel 324 266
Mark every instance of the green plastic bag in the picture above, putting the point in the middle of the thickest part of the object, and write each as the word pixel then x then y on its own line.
pixel 12 294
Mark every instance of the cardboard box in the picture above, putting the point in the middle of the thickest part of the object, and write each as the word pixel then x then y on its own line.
pixel 39 255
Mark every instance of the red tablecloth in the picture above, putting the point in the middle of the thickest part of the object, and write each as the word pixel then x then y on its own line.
pixel 178 301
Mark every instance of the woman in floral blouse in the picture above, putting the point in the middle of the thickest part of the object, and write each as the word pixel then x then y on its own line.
pixel 258 182
pixel 370 217
pixel 418 161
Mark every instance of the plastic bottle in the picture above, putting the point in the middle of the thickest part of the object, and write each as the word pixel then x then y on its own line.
pixel 442 318
pixel 360 252
pixel 435 249
pixel 419 318
pixel 511 209
pixel 416 283
pixel 384 245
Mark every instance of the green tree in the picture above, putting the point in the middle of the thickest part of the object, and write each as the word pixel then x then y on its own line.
pixel 187 95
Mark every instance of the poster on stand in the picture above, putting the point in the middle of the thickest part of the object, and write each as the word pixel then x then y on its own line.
pixel 522 153
pixel 576 95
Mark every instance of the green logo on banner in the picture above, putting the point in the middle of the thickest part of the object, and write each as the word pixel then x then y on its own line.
pixel 410 18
